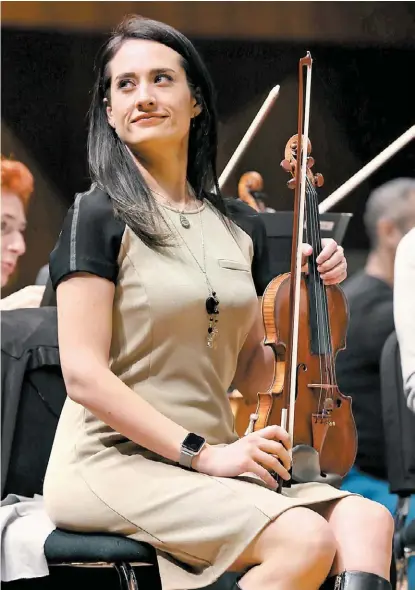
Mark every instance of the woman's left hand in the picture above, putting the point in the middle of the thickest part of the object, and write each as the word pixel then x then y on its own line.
pixel 332 264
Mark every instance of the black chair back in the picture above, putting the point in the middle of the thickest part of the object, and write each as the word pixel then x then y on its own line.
pixel 399 422
pixel 33 394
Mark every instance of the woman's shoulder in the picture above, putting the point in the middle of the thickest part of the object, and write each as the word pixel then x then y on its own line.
pixel 90 239
pixel 95 204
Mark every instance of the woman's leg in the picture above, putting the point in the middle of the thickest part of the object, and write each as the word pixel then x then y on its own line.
pixel 363 530
pixel 295 552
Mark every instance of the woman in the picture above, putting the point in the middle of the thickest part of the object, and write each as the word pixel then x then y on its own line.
pixel 16 189
pixel 157 314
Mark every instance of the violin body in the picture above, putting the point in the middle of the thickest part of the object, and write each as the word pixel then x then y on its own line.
pixel 323 415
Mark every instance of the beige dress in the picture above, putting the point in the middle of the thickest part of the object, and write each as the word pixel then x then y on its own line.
pixel 99 481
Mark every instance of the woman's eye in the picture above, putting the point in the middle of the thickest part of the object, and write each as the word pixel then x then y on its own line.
pixel 125 83
pixel 163 78
pixel 4 227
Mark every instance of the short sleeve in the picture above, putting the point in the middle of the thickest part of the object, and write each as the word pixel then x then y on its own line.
pixel 90 239
pixel 251 223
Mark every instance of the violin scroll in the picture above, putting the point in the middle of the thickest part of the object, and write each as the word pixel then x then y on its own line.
pixel 290 162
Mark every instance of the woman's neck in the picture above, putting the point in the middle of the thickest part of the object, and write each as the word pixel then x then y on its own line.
pixel 166 174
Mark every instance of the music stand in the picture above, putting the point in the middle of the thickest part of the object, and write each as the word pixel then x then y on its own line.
pixel 279 228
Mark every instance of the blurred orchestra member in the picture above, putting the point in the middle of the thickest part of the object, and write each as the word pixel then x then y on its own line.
pixel 16 189
pixel 389 216
pixel 261 199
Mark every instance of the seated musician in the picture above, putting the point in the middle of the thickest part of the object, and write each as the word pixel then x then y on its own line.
pixel 16 190
pixel 158 313
pixel 404 312
pixel 389 215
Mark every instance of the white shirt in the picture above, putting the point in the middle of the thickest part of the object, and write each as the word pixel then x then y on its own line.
pixel 404 311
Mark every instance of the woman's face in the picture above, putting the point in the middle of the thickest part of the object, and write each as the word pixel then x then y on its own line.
pixel 13 224
pixel 150 103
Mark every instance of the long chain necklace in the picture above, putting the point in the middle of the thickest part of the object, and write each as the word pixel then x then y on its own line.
pixel 183 219
pixel 212 302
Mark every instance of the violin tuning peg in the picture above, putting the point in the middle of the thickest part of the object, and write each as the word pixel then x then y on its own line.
pixel 318 180
pixel 310 162
pixel 286 165
pixel 291 183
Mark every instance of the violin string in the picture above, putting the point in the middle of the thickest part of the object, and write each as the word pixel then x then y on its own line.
pixel 313 240
pixel 331 355
pixel 321 318
pixel 324 301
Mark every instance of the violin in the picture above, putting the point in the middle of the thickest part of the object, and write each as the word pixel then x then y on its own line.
pixel 305 324
pixel 248 183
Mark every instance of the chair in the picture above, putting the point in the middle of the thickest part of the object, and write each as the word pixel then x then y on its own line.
pixel 63 548
pixel 399 428
pixel 29 420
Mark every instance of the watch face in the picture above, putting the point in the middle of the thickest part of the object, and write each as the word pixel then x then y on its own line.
pixel 193 442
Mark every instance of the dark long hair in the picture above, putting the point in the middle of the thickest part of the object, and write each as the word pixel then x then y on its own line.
pixel 111 164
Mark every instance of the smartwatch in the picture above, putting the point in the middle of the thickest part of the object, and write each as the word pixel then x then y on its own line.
pixel 191 446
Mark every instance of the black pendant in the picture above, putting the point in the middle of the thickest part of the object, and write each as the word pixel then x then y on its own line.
pixel 212 304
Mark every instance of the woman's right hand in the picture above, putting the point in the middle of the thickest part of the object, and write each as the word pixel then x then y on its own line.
pixel 259 453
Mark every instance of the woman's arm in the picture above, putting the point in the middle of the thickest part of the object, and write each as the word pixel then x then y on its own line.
pixel 85 327
pixel 256 362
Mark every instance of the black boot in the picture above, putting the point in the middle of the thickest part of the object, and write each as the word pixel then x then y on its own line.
pixel 356 581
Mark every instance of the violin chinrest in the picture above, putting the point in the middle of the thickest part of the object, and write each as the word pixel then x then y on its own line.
pixel 306 467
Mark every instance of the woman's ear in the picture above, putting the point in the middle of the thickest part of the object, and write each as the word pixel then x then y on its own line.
pixel 197 109
pixel 197 103
pixel 108 110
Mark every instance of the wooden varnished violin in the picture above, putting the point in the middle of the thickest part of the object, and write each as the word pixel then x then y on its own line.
pixel 305 324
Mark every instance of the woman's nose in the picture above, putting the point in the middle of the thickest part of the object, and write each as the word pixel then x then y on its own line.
pixel 17 243
pixel 145 98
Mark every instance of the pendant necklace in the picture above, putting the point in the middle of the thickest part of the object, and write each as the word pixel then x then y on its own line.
pixel 183 219
pixel 212 301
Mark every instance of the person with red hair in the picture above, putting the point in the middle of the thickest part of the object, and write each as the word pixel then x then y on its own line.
pixel 16 189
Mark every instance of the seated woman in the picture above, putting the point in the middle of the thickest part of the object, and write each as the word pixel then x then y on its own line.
pixel 16 189
pixel 158 313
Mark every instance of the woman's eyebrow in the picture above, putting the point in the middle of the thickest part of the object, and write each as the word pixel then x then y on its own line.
pixel 153 71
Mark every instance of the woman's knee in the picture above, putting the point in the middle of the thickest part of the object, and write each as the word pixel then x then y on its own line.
pixel 304 532
pixel 368 518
